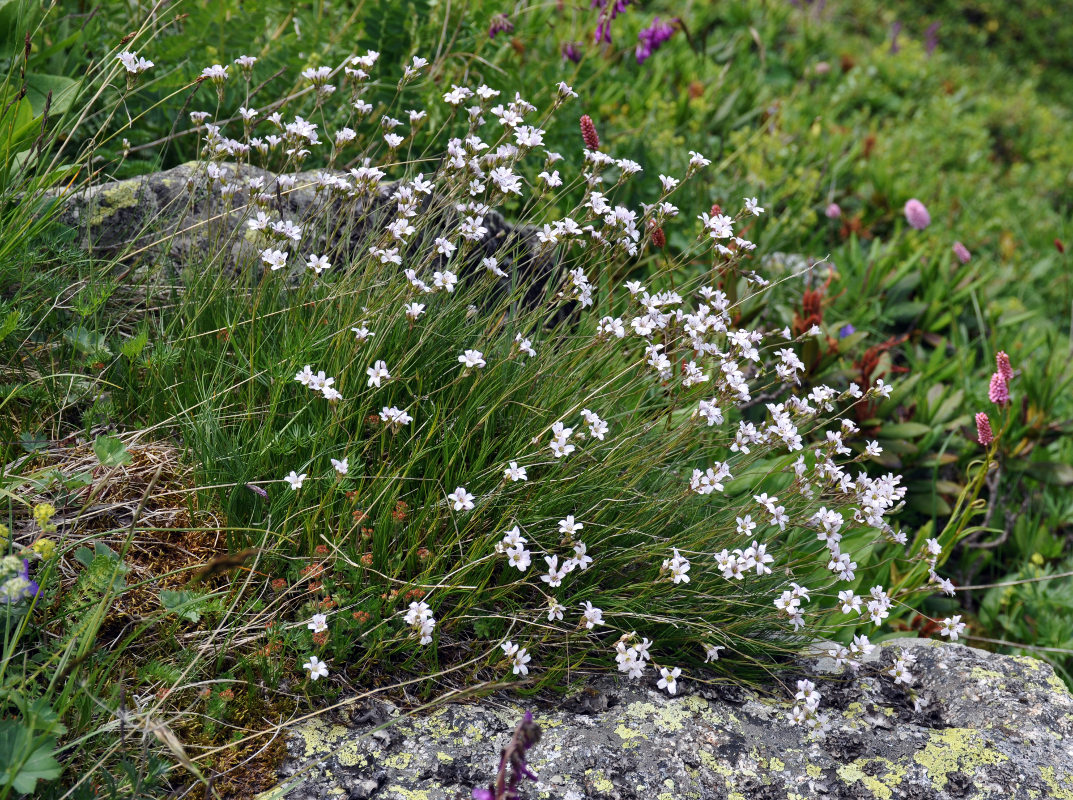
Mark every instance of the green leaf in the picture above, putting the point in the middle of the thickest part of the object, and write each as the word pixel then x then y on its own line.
pixel 86 341
pixel 25 761
pixel 183 603
pixel 111 452
pixel 904 430
pixel 10 323
pixel 132 348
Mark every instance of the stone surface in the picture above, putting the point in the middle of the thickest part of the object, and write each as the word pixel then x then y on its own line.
pixel 180 217
pixel 993 727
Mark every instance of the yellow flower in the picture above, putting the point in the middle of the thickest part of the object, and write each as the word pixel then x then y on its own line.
pixel 45 548
pixel 43 512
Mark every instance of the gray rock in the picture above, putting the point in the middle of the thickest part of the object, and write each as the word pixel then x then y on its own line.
pixel 180 217
pixel 993 727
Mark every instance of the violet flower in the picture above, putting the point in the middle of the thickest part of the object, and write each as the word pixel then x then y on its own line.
pixel 500 24
pixel 571 52
pixel 525 736
pixel 653 37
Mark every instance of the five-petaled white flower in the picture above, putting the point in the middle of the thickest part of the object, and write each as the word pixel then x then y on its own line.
pixel 669 679
pixel 472 359
pixel 316 667
pixel 319 623
pixel 461 500
pixel 377 373
pixel 295 480
pixel 341 466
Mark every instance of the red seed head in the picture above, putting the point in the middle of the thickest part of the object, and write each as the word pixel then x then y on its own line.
pixel 659 238
pixel 588 133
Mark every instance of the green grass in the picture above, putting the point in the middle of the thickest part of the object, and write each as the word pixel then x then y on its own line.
pixel 799 108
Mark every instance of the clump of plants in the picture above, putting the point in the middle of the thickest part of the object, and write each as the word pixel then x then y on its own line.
pixel 486 445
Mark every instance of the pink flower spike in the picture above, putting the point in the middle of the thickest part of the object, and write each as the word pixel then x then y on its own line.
pixel 1003 362
pixel 962 253
pixel 916 214
pixel 983 429
pixel 998 393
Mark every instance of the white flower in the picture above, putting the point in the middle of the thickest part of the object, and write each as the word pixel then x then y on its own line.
pixel 361 333
pixel 341 466
pixel 525 345
pixel 711 652
pixel 377 373
pixel 515 473
pixel 472 359
pixel 445 280
pixel 415 310
pixel 592 615
pixel 513 538
pixel 568 527
pixel 461 500
pixel 519 656
pixel 318 623
pixel 555 572
pixel 752 207
pixel 580 559
pixel 215 73
pixel 669 679
pixel 295 480
pixel 318 263
pixel 316 667
pixel 555 610
pixel 395 417
pixel 520 558
pixel 952 627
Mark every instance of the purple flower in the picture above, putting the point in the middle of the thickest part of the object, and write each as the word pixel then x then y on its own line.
pixel 257 490
pixel 571 52
pixel 833 211
pixel 931 38
pixel 653 37
pixel 962 252
pixel 500 24
pixel 513 756
pixel 846 330
pixel 895 29
pixel 18 586
pixel 608 11
pixel 916 214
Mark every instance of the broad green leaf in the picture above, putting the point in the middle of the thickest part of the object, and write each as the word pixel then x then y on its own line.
pixel 183 603
pixel 111 452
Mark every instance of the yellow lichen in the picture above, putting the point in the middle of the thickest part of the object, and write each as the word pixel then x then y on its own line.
pixel 813 771
pixel 111 199
pixel 775 765
pixel 1058 791
pixel 398 761
pixel 714 764
pixel 600 781
pixel 408 794
pixel 446 759
pixel 953 750
pixel 882 785
pixel 628 735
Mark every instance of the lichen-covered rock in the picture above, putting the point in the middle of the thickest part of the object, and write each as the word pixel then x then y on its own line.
pixel 183 217
pixel 992 727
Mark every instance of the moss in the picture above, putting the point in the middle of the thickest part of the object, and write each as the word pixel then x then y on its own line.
pixel 954 750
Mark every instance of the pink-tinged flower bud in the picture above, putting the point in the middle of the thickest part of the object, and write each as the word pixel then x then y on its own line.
pixel 834 211
pixel 588 133
pixel 916 214
pixel 1003 362
pixel 983 429
pixel 962 252
pixel 998 393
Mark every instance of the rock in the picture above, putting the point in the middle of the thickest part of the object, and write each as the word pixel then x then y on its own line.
pixel 181 217
pixel 993 727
